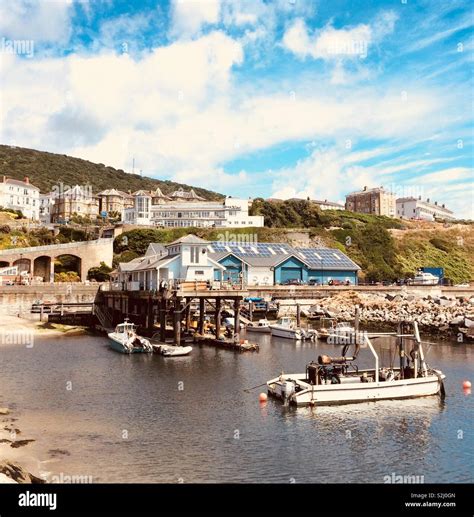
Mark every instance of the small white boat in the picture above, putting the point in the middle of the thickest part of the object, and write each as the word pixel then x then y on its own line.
pixel 422 278
pixel 286 327
pixel 336 380
pixel 175 351
pixel 343 333
pixel 126 340
pixel 261 326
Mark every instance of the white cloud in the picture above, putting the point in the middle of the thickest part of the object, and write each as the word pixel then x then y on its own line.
pixel 330 43
pixel 189 16
pixel 37 20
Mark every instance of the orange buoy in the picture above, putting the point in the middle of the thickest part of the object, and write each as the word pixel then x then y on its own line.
pixel 466 385
pixel 263 397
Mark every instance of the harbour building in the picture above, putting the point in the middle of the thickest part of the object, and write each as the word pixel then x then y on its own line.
pixel 264 264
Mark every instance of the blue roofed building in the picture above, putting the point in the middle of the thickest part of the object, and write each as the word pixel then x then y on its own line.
pixel 277 263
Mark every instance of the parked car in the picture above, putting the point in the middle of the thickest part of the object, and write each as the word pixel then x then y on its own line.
pixel 293 281
pixel 314 281
pixel 339 282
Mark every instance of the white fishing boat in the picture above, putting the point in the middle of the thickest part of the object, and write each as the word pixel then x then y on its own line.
pixel 342 333
pixel 126 340
pixel 175 351
pixel 262 326
pixel 422 278
pixel 337 380
pixel 286 327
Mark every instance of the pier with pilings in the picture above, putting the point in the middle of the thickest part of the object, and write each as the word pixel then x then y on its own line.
pixel 176 314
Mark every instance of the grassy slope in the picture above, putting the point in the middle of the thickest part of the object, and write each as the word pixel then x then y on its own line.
pixel 46 170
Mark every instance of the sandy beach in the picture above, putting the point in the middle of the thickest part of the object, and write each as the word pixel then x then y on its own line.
pixel 16 459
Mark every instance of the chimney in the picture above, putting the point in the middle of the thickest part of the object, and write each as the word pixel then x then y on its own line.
pixel 428 200
pixel 436 202
pixel 27 180
pixel 419 198
pixel 365 188
pixel 443 205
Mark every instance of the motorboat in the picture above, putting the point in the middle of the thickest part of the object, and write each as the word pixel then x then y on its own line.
pixel 287 327
pixel 262 326
pixel 342 333
pixel 422 278
pixel 338 380
pixel 126 340
pixel 175 351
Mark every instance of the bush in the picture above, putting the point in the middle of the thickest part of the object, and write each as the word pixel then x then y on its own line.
pixel 101 273
pixel 70 276
pixel 441 244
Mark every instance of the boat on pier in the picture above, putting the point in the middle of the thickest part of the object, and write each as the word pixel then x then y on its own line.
pixel 126 340
pixel 287 327
pixel 338 380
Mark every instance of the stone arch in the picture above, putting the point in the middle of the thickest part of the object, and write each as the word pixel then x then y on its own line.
pixel 42 267
pixel 24 264
pixel 68 262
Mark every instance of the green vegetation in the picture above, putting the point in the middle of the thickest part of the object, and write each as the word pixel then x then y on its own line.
pixel 305 214
pixel 15 214
pixel 69 276
pixel 101 273
pixel 47 170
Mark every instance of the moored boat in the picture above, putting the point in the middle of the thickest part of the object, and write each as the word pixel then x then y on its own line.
pixel 126 340
pixel 337 380
pixel 262 326
pixel 175 351
pixel 286 327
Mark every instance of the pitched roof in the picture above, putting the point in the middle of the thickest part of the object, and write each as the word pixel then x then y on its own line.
pixel 188 239
pixel 156 248
pixel 271 254
pixel 20 183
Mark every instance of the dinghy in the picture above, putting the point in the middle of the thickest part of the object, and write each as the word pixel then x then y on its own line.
pixel 175 351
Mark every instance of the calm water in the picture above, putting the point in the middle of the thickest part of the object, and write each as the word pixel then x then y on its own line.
pixel 127 420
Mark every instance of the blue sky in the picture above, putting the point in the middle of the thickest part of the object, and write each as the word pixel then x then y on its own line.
pixel 251 98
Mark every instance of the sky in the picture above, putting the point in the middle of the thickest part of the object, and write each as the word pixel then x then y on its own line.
pixel 283 98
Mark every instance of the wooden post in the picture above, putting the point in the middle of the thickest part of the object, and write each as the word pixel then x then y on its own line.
pixel 162 320
pixel 151 316
pixel 188 314
pixel 202 310
pixel 356 321
pixel 298 315
pixel 250 310
pixel 237 318
pixel 177 325
pixel 217 318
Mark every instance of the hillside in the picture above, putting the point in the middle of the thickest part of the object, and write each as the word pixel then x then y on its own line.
pixel 46 170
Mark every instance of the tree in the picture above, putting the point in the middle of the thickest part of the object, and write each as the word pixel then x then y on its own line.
pixel 101 273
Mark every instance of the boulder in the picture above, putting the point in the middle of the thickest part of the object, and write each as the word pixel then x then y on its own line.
pixel 17 473
pixel 4 411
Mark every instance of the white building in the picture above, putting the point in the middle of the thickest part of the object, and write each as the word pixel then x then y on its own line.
pixel 46 202
pixel 20 195
pixel 230 213
pixel 185 259
pixel 328 205
pixel 416 208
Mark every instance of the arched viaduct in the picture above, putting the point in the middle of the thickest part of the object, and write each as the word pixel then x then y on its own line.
pixel 39 260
